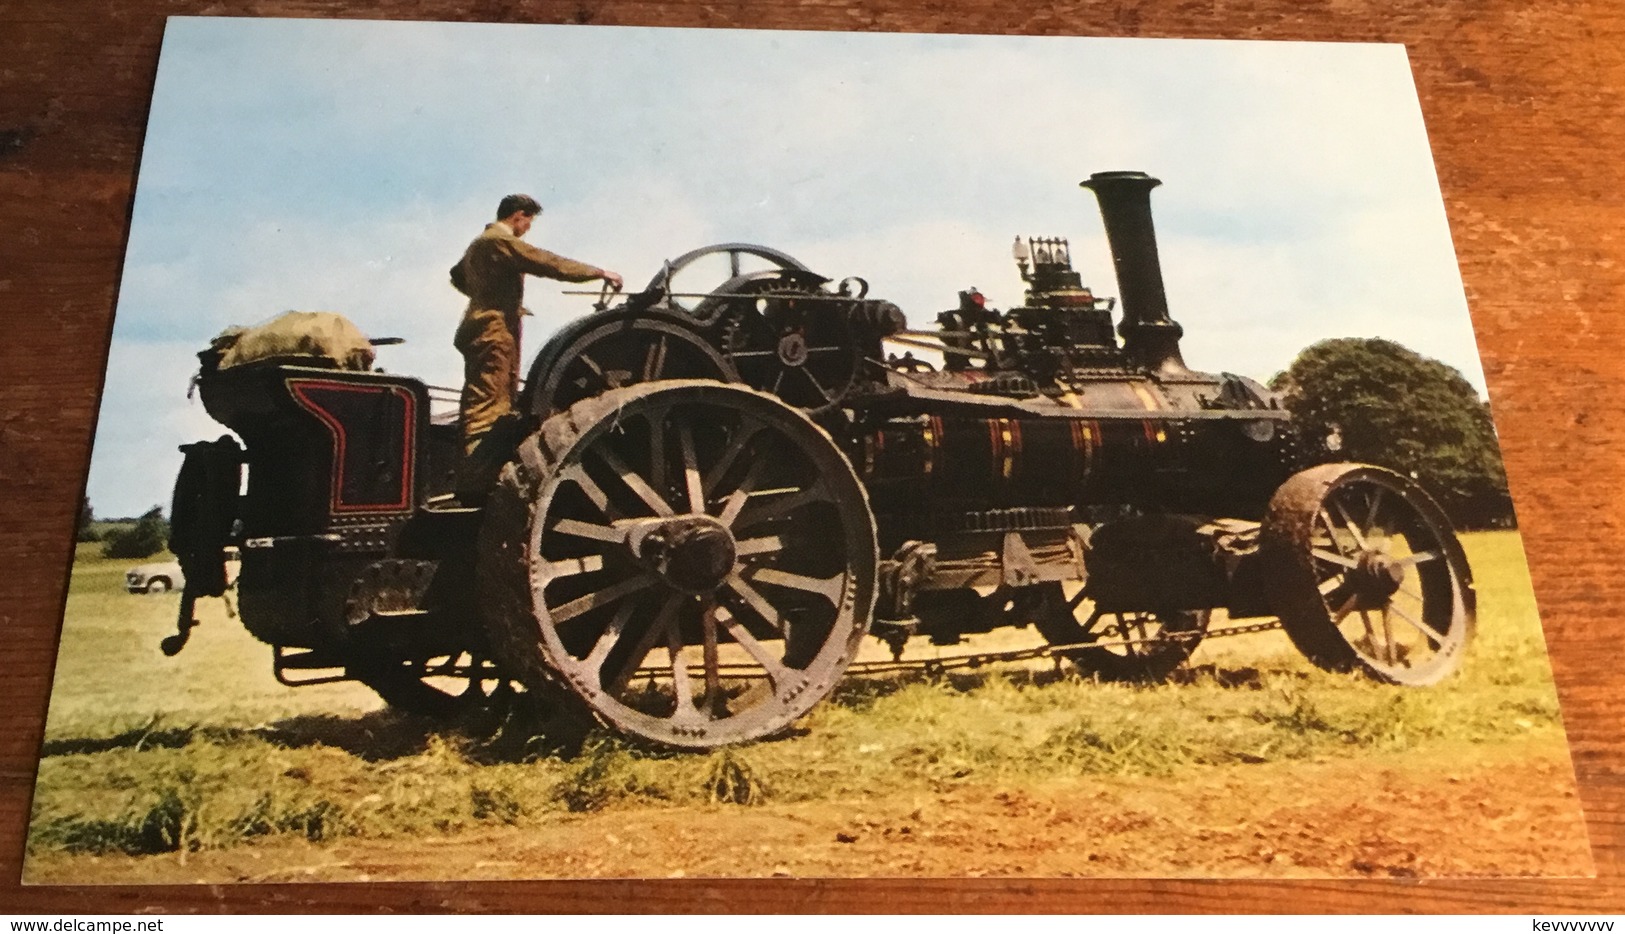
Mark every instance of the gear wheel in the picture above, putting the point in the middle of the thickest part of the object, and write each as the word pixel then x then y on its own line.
pixel 794 343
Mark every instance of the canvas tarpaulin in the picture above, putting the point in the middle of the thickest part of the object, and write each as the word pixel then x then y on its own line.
pixel 322 338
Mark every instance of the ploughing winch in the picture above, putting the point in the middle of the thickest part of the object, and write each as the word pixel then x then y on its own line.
pixel 715 494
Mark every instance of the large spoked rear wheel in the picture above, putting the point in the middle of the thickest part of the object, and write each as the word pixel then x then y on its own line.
pixel 1366 574
pixel 688 562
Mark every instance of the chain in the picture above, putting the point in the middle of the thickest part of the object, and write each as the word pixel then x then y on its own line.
pixel 978 659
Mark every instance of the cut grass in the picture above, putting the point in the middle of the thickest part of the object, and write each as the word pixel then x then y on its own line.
pixel 139 784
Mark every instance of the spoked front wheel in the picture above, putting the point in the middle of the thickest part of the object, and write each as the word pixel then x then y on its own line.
pixel 1366 574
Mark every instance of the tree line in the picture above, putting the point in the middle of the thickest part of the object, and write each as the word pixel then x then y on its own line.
pixel 124 538
pixel 1396 408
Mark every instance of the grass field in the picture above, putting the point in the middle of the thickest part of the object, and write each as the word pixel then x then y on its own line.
pixel 206 753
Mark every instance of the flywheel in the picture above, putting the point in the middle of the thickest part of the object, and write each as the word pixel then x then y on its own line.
pixel 793 342
pixel 615 349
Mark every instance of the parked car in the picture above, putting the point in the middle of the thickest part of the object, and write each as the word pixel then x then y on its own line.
pixel 158 577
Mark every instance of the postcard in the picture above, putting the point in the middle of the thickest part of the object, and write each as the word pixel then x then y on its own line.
pixel 569 452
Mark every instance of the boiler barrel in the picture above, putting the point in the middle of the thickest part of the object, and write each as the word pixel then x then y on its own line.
pixel 935 464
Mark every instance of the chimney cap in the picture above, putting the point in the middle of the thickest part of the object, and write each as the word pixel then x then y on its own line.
pixel 1121 176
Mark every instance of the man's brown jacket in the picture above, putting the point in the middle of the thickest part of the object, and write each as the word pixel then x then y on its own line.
pixel 492 274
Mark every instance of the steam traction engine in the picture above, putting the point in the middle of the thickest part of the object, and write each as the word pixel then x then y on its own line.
pixel 717 492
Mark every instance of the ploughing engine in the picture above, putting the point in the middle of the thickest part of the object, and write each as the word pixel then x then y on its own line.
pixel 714 493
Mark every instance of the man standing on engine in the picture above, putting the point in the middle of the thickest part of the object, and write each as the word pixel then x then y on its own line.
pixel 492 275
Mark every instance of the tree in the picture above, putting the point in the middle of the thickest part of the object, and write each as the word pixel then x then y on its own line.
pixel 148 537
pixel 86 531
pixel 1398 409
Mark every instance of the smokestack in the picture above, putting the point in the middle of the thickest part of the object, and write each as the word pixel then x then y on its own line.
pixel 1149 335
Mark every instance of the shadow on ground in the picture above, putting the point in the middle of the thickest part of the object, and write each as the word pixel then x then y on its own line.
pixel 520 728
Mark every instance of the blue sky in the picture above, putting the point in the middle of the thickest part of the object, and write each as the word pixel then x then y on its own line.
pixel 344 165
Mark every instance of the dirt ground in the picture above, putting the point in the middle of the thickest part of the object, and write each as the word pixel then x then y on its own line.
pixel 1376 817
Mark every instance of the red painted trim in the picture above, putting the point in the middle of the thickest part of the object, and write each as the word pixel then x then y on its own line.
pixel 298 387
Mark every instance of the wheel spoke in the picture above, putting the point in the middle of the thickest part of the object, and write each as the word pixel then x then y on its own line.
pixel 1121 627
pixel 754 599
pixel 785 506
pixel 1343 611
pixel 609 637
pixel 1330 584
pixel 1354 530
pixel 579 529
pixel 830 588
pixel 680 685
pixel 656 632
pixel 598 598
pixel 817 386
pixel 1331 531
pixel 1143 627
pixel 777 674
pixel 713 665
pixel 569 567
pixel 1388 636
pixel 691 469
pixel 738 498
pixel 1420 626
pixel 1076 601
pixel 576 474
pixel 765 545
pixel 636 483
pixel 657 450
pixel 745 433
pixel 1412 594
pixel 1329 558
pixel 654 361
pixel 1376 503
pixel 1093 621
pixel 592 365
pixel 1370 633
pixel 1419 558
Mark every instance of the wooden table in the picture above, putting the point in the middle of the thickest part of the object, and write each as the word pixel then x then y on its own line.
pixel 1525 107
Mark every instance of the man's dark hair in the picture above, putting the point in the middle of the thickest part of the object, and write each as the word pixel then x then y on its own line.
pixel 524 204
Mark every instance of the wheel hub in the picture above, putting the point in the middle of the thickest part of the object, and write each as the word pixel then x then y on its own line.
pixel 1374 580
pixel 693 554
pixel 793 349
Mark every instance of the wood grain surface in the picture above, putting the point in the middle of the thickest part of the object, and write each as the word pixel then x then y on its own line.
pixel 1523 104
